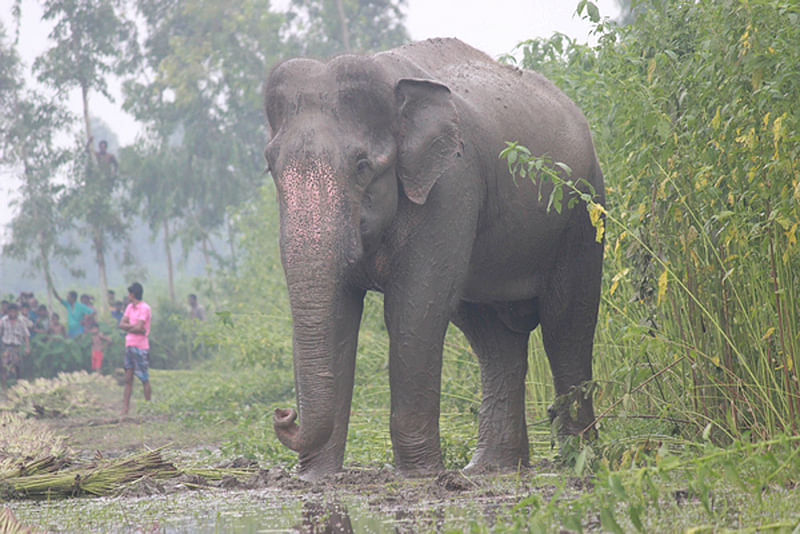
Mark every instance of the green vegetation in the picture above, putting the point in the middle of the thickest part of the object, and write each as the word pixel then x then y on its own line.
pixel 694 110
pixel 695 126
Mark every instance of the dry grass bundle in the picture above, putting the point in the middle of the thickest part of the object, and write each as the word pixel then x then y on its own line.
pixel 102 477
pixel 56 397
pixel 25 438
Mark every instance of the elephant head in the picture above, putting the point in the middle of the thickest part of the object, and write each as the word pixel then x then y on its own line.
pixel 349 143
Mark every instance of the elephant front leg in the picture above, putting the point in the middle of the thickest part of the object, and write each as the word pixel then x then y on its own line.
pixel 503 357
pixel 415 370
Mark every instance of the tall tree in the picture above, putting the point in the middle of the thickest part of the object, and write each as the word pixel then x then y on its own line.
pixel 204 63
pixel 323 28
pixel 28 125
pixel 92 39
pixel 154 172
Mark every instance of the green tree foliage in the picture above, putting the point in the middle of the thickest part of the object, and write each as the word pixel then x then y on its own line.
pixel 205 61
pixel 29 125
pixel 10 85
pixel 91 39
pixel 323 28
pixel 694 108
pixel 154 174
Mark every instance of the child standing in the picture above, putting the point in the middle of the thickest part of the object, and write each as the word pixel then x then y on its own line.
pixel 99 342
pixel 56 328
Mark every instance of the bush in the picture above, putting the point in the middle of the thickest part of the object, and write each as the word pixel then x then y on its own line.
pixel 51 355
pixel 174 342
pixel 696 125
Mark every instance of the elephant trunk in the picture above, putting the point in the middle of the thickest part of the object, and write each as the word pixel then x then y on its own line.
pixel 318 243
pixel 314 379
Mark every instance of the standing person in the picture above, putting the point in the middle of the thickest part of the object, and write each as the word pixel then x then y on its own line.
pixel 24 315
pixel 136 322
pixel 33 314
pixel 42 325
pixel 13 333
pixel 106 159
pixel 76 312
pixel 196 311
pixel 56 328
pixel 99 343
pixel 117 311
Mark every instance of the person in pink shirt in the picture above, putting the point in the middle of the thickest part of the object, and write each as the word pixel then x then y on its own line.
pixel 136 322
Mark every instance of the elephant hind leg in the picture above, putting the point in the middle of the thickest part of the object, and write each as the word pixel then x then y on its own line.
pixel 568 315
pixel 503 357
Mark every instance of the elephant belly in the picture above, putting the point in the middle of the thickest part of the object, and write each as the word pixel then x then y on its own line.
pixel 503 274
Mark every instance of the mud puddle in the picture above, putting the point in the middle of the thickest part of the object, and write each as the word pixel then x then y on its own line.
pixel 369 501
pixel 235 511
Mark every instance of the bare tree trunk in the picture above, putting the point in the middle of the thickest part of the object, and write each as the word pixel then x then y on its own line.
pixel 343 24
pixel 99 249
pixel 232 244
pixel 85 96
pixel 168 250
pixel 207 258
pixel 46 272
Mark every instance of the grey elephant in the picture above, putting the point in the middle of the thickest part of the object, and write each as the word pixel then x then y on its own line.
pixel 388 179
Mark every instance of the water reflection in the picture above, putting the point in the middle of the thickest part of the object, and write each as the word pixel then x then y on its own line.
pixel 325 518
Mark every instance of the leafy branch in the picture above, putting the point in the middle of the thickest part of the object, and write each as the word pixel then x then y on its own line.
pixel 541 169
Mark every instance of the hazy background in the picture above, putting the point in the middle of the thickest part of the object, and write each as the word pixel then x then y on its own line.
pixel 495 28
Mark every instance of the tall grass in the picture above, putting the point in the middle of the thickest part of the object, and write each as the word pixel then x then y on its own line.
pixel 696 127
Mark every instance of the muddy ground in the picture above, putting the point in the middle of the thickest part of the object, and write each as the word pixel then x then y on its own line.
pixel 404 505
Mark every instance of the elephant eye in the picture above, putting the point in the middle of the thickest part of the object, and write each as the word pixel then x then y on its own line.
pixel 363 164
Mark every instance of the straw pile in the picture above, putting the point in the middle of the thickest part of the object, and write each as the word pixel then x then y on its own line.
pixel 56 397
pixel 41 479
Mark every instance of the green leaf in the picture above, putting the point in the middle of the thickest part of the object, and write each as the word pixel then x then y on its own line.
pixel 594 13
pixel 635 515
pixel 608 521
pixel 564 167
pixel 580 461
pixel 615 483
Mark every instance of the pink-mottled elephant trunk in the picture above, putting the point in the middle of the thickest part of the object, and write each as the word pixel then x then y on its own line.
pixel 316 242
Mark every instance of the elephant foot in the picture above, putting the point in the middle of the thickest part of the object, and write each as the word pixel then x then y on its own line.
pixel 313 467
pixel 416 448
pixel 315 474
pixel 424 472
pixel 496 460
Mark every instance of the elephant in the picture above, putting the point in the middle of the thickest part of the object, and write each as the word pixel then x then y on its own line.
pixel 388 179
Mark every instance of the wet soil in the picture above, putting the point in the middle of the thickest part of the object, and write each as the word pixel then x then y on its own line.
pixel 400 501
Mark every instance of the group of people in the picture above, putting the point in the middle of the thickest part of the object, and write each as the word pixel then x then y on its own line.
pixel 27 318
pixel 18 325
pixel 20 321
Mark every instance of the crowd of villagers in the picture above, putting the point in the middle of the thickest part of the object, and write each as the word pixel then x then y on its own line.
pixel 25 318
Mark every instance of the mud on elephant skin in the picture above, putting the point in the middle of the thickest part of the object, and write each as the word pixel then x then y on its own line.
pixel 388 178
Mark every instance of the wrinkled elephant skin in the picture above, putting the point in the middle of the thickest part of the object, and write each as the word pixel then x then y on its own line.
pixel 388 179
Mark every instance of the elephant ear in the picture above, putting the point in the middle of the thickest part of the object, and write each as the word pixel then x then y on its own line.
pixel 429 137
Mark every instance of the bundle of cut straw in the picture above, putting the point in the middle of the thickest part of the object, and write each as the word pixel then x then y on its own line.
pixel 105 477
